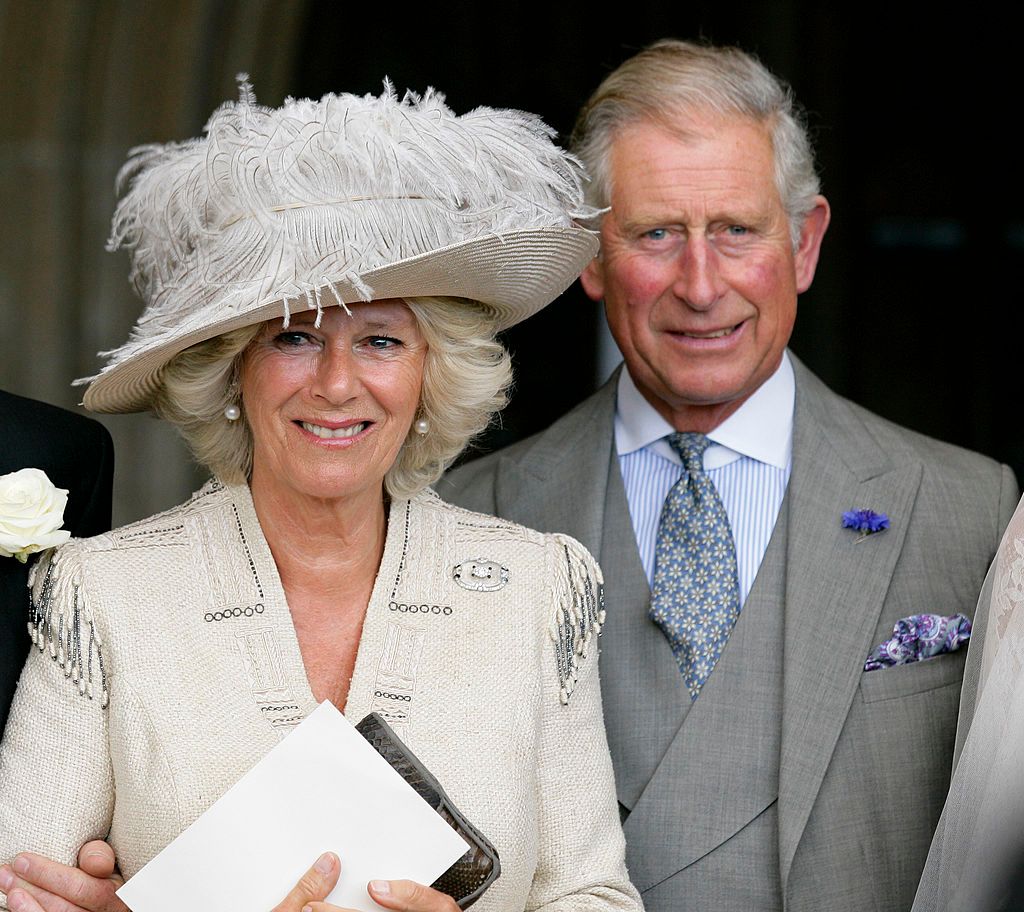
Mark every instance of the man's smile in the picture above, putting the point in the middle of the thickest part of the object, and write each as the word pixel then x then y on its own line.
pixel 713 334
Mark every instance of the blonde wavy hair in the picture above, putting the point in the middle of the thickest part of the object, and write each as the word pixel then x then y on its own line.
pixel 466 375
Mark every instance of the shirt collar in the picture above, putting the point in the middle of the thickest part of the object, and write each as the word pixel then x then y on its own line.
pixel 761 428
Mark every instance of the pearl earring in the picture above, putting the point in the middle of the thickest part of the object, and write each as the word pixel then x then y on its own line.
pixel 232 412
pixel 422 426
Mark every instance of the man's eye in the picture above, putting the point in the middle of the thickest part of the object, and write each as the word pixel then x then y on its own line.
pixel 656 234
pixel 737 230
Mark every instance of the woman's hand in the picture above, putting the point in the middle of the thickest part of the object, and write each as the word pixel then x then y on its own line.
pixel 406 896
pixel 401 895
pixel 37 884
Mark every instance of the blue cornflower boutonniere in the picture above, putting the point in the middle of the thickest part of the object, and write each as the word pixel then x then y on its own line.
pixel 865 522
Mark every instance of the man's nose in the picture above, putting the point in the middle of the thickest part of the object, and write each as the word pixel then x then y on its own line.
pixel 698 281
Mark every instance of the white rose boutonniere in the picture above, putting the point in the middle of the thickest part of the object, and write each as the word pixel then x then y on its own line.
pixel 31 514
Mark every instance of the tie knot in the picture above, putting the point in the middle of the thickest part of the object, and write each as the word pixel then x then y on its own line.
pixel 690 446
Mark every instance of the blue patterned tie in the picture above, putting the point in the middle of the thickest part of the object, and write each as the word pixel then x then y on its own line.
pixel 696 597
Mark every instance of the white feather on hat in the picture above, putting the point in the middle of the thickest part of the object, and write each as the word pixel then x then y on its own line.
pixel 327 202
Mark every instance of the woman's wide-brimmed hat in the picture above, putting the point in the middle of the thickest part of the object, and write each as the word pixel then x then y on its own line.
pixel 332 202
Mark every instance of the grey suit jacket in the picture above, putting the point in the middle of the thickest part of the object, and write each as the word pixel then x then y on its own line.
pixel 796 781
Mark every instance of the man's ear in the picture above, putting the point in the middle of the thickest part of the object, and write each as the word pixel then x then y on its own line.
pixel 592 279
pixel 811 235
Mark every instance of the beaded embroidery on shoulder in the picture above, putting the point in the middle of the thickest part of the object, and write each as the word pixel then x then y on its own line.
pixel 60 617
pixel 60 620
pixel 579 613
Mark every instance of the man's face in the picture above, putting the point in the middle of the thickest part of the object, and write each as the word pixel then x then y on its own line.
pixel 697 268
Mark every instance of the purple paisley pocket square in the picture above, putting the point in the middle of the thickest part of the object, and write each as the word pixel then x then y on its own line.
pixel 920 636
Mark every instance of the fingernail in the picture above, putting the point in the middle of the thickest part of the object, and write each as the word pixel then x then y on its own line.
pixel 324 864
pixel 17 901
pixel 380 887
pixel 20 864
pixel 6 878
pixel 307 909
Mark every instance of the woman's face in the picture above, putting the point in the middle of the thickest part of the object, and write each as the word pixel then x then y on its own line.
pixel 329 408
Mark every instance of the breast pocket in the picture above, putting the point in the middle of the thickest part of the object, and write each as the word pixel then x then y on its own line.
pixel 916 677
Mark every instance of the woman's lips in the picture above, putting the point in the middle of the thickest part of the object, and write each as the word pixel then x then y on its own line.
pixel 334 433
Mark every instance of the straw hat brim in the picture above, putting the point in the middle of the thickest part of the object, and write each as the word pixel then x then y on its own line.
pixel 515 275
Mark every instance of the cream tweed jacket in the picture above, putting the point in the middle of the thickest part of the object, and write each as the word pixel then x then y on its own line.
pixel 168 665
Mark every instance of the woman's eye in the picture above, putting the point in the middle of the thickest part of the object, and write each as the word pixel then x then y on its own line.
pixel 383 342
pixel 290 339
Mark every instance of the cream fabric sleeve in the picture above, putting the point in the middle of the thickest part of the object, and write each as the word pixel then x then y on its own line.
pixel 56 780
pixel 581 865
pixel 978 841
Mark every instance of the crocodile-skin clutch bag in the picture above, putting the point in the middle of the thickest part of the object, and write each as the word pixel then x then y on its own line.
pixel 466 880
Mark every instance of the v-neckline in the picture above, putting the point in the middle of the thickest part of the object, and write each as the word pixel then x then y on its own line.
pixel 391 565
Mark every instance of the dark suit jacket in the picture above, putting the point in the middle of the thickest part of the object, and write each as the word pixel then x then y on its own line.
pixel 77 454
pixel 796 781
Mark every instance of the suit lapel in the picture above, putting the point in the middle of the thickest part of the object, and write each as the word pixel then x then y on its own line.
pixel 835 589
pixel 558 485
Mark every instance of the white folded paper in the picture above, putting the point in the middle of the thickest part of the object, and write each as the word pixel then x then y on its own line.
pixel 323 788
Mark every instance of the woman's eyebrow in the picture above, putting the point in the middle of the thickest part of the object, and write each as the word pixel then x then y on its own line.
pixel 384 324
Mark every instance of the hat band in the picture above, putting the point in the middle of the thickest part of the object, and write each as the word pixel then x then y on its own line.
pixel 285 207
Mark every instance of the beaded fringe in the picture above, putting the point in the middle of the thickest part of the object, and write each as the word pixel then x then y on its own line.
pixel 580 616
pixel 60 621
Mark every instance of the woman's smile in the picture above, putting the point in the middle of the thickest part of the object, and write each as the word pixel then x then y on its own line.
pixel 340 431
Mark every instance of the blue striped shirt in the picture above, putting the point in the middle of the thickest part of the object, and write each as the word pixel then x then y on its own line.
pixel 749 463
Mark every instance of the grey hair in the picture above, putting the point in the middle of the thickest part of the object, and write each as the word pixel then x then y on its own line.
pixel 466 374
pixel 672 80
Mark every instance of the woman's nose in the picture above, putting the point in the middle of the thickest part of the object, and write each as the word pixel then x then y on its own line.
pixel 335 378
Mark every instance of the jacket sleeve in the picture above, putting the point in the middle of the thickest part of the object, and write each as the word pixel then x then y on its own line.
pixel 57 782
pixel 1009 494
pixel 582 850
